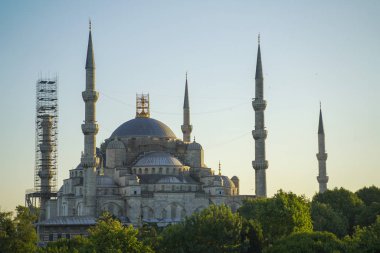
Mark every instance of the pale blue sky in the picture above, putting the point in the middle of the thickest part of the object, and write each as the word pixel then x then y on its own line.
pixel 311 51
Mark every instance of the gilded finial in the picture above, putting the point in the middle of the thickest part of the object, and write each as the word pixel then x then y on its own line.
pixel 89 24
pixel 258 39
pixel 220 168
pixel 194 138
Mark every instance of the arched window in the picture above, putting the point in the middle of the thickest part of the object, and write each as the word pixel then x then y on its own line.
pixel 146 171
pixel 153 170
pixel 173 211
pixel 160 170
pixel 164 214
pixel 140 171
pixel 167 170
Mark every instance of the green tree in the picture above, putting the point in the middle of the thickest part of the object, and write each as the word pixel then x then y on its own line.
pixel 365 240
pixel 213 230
pixel 251 236
pixel 279 216
pixel 149 235
pixel 368 214
pixel 369 195
pixel 109 235
pixel 18 234
pixel 76 244
pixel 345 203
pixel 326 219
pixel 308 242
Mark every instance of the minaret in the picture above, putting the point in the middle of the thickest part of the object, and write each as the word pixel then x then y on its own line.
pixel 90 129
pixel 186 127
pixel 46 172
pixel 322 156
pixel 259 134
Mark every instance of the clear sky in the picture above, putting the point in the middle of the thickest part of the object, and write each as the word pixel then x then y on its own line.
pixel 312 51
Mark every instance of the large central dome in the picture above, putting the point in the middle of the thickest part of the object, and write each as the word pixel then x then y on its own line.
pixel 142 126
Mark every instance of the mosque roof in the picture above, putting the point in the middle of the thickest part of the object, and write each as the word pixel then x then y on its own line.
pixel 165 179
pixel 115 144
pixel 194 146
pixel 143 126
pixel 158 159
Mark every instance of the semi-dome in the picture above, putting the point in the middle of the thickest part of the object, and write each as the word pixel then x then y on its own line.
pixel 194 146
pixel 115 144
pixel 158 159
pixel 143 126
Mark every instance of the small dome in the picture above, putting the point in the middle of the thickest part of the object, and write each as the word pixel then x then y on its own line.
pixel 194 146
pixel 138 127
pixel 158 159
pixel 234 178
pixel 115 144
pixel 228 182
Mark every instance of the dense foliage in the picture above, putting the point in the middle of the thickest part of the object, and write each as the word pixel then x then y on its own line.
pixel 215 229
pixel 279 216
pixel 334 221
pixel 18 234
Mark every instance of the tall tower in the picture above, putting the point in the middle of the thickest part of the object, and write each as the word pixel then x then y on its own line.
pixel 259 134
pixel 46 156
pixel 186 127
pixel 46 172
pixel 322 156
pixel 90 128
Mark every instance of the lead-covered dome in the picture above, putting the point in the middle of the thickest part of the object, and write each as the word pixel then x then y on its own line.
pixel 141 126
pixel 158 159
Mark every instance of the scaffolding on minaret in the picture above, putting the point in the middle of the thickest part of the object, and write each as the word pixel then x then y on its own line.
pixel 46 141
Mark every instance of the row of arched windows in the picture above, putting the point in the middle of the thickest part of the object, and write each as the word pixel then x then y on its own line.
pixel 153 170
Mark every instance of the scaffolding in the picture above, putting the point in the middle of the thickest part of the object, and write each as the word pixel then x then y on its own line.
pixel 142 106
pixel 46 141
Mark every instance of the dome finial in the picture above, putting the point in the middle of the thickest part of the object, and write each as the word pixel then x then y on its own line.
pixel 220 168
pixel 194 139
pixel 89 24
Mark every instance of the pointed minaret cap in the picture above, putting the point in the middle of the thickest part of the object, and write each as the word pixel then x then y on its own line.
pixel 90 62
pixel 320 126
pixel 186 100
pixel 259 67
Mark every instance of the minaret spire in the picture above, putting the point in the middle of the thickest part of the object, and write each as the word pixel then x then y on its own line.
pixel 260 164
pixel 322 156
pixel 90 61
pixel 90 128
pixel 186 127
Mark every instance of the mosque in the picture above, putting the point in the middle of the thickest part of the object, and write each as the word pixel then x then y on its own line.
pixel 143 173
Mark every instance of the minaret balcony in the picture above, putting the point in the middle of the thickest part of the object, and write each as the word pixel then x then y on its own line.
pixel 46 147
pixel 89 161
pixel 46 174
pixel 259 104
pixel 259 134
pixel 260 165
pixel 186 128
pixel 90 95
pixel 323 179
pixel 90 128
pixel 322 156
